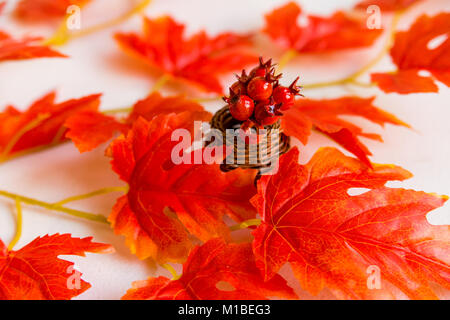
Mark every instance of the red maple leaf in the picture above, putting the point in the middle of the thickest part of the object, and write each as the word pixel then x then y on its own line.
pixel 42 124
pixel 425 46
pixel 324 115
pixel 214 271
pixel 199 59
pixel 320 34
pixel 27 48
pixel 168 202
pixel 386 5
pixel 332 238
pixel 91 128
pixel 45 9
pixel 36 273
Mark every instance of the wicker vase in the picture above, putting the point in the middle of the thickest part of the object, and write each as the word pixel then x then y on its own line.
pixel 259 156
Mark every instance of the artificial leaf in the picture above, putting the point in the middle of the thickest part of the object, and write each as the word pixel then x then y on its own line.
pixel 320 34
pixel 387 5
pixel 214 271
pixel 42 124
pixel 168 202
pixel 90 129
pixel 42 10
pixel 424 47
pixel 27 48
pixel 331 238
pixel 155 104
pixel 324 115
pixel 36 273
pixel 199 59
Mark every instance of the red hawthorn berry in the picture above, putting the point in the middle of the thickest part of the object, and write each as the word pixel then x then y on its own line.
pixel 258 72
pixel 262 70
pixel 284 96
pixel 259 89
pixel 265 114
pixel 238 88
pixel 242 108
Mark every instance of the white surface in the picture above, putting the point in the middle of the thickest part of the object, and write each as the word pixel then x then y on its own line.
pixel 96 65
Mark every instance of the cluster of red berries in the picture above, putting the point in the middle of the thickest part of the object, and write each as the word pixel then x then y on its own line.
pixel 258 98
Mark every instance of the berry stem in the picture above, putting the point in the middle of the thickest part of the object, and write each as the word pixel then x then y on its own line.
pixel 91 194
pixel 246 224
pixel 53 207
pixel 63 35
pixel 168 267
pixel 352 79
pixel 18 234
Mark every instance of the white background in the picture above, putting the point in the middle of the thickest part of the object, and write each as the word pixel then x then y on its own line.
pixel 97 66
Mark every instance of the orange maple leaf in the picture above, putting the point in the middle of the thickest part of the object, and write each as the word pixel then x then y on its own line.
pixel 414 51
pixel 324 115
pixel 45 9
pixel 319 34
pixel 199 59
pixel 36 273
pixel 91 128
pixel 332 238
pixel 214 271
pixel 42 124
pixel 168 202
pixel 27 48
pixel 386 5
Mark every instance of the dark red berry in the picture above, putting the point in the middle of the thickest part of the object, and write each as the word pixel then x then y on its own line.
pixel 238 88
pixel 284 96
pixel 259 89
pixel 263 69
pixel 258 72
pixel 242 108
pixel 265 114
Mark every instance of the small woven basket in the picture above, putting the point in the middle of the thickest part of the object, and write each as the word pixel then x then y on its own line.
pixel 261 156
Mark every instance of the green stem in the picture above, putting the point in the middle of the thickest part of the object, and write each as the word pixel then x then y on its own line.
pixel 53 207
pixel 18 234
pixel 91 194
pixel 246 224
